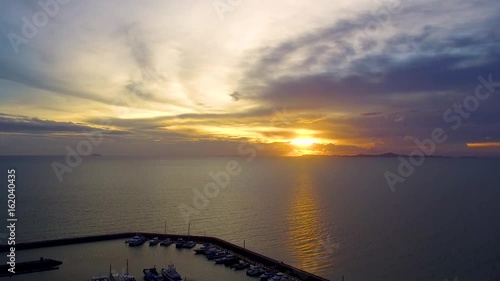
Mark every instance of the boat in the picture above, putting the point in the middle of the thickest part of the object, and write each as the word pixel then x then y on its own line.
pixel 137 240
pixel 115 277
pixel 151 274
pixel 203 249
pixel 219 261
pixel 255 271
pixel 278 277
pixel 167 242
pixel 210 251
pixel 189 244
pixel 217 255
pixel 179 243
pixel 154 241
pixel 229 260
pixel 128 276
pixel 266 276
pixel 171 274
pixel 32 266
pixel 240 265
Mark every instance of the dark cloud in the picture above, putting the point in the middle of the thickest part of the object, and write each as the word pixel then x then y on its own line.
pixel 236 96
pixel 24 124
pixel 421 67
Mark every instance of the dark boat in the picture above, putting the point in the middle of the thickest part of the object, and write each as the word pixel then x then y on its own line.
pixel 240 265
pixel 216 255
pixel 154 241
pixel 189 244
pixel 167 242
pixel 255 271
pixel 230 260
pixel 203 249
pixel 171 274
pixel 180 243
pixel 151 274
pixel 31 266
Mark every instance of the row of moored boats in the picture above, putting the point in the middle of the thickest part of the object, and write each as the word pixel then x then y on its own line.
pixel 221 256
pixel 139 240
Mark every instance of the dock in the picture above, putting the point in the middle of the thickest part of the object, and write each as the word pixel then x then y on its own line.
pixel 243 252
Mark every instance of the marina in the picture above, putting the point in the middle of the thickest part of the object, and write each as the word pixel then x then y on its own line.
pixel 85 256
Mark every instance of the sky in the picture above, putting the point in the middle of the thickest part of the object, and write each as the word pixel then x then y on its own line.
pixel 201 78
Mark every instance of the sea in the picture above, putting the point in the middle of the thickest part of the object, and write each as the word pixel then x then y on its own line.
pixel 332 216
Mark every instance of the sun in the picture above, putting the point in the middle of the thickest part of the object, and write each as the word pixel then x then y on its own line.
pixel 303 142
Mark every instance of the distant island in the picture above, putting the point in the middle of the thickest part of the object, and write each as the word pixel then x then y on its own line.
pixel 384 155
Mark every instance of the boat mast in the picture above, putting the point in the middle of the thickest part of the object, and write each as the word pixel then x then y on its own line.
pixel 127 266
pixel 165 231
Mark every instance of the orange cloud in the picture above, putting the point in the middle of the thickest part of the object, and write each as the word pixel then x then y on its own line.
pixel 483 144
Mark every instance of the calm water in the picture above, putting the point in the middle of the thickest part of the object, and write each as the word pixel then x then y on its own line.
pixel 330 216
pixel 81 262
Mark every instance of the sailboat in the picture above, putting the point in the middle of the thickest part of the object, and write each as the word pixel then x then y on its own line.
pixel 115 277
pixel 167 241
pixel 189 244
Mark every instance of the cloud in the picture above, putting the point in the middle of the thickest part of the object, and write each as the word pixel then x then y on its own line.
pixel 236 96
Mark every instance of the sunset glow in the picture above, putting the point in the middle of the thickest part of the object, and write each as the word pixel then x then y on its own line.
pixel 288 76
pixel 303 142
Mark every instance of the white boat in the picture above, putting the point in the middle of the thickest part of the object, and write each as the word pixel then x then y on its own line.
pixel 137 240
pixel 171 274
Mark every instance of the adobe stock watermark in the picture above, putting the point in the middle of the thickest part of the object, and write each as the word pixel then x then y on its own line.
pixel 152 75
pixel 381 19
pixel 222 179
pixel 31 26
pixel 454 117
pixel 326 248
pixel 74 155
pixel 222 7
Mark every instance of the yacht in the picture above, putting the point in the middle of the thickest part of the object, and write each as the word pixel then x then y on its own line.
pixel 154 241
pixel 151 274
pixel 203 249
pixel 255 271
pixel 189 244
pixel 229 260
pixel 167 242
pixel 179 243
pixel 277 277
pixel 137 241
pixel 266 276
pixel 240 265
pixel 171 274
pixel 217 255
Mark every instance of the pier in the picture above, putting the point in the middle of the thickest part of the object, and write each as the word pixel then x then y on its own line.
pixel 245 253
